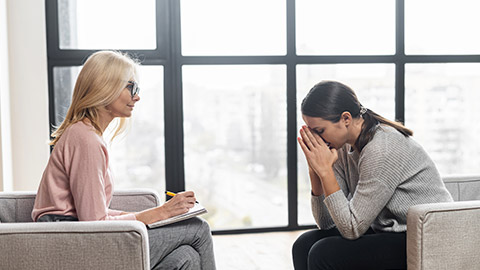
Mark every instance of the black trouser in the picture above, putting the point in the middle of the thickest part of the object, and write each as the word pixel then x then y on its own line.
pixel 327 249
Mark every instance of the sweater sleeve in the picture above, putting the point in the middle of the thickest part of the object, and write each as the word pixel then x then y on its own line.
pixel 320 213
pixel 87 167
pixel 354 217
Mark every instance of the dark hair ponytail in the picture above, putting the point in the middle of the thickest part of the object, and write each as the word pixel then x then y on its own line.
pixel 329 99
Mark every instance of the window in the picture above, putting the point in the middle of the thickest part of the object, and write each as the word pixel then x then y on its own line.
pixel 235 143
pixel 352 27
pixel 233 27
pixel 222 83
pixel 106 24
pixel 440 101
pixel 450 27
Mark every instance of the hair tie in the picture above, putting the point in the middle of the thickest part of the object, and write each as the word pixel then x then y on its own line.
pixel 363 110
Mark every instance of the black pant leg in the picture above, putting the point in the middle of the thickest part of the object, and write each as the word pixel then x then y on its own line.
pixel 304 243
pixel 370 251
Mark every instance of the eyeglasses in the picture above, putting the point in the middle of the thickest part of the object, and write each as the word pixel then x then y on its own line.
pixel 133 87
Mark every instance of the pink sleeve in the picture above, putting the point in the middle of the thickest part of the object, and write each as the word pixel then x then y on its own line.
pixel 88 171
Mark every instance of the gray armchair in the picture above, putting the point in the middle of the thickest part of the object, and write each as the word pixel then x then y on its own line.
pixel 73 245
pixel 446 235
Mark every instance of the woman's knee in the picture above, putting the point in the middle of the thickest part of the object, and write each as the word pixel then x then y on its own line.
pixel 301 245
pixel 305 241
pixel 203 228
pixel 327 253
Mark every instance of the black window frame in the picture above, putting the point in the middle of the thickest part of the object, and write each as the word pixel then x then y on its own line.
pixel 168 54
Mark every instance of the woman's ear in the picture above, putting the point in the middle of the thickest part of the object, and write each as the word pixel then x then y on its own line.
pixel 346 117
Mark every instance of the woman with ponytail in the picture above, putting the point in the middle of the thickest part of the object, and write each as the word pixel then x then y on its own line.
pixel 365 172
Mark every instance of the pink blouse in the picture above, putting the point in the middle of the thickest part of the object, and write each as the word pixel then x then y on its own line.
pixel 77 180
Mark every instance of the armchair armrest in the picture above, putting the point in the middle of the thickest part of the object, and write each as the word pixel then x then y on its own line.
pixel 443 236
pixel 74 245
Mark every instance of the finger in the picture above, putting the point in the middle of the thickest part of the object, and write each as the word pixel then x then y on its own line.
pixel 306 139
pixel 310 136
pixel 335 154
pixel 319 139
pixel 187 193
pixel 191 200
pixel 302 145
pixel 186 196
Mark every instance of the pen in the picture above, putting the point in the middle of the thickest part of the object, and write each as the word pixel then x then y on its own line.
pixel 171 194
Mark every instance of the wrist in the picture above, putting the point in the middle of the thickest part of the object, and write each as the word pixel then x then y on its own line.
pixel 329 183
pixel 325 173
pixel 151 215
pixel 161 212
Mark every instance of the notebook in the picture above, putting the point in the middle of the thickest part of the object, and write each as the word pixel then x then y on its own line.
pixel 196 210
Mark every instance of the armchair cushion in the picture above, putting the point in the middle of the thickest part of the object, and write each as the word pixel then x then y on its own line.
pixel 444 236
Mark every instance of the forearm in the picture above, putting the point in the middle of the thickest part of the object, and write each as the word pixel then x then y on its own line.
pixel 151 215
pixel 316 183
pixel 319 210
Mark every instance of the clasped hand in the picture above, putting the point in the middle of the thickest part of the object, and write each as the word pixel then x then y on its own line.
pixel 319 156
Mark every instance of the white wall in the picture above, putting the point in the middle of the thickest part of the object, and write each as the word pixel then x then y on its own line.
pixel 28 91
pixel 4 97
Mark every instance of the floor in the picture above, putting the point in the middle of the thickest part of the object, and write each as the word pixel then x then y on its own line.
pixel 265 251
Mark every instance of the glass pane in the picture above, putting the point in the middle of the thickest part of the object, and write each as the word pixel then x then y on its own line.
pixel 442 108
pixel 107 24
pixel 233 27
pixel 64 82
pixel 344 27
pixel 442 27
pixel 235 143
pixel 374 85
pixel 138 156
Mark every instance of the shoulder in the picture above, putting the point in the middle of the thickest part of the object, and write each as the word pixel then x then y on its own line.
pixel 386 139
pixel 385 132
pixel 82 134
pixel 387 145
pixel 393 149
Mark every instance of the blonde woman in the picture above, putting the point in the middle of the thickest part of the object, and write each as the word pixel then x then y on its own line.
pixel 77 184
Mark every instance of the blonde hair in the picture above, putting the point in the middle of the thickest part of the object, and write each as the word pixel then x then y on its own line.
pixel 100 82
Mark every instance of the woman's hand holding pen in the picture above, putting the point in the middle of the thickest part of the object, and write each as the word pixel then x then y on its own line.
pixel 180 203
pixel 177 205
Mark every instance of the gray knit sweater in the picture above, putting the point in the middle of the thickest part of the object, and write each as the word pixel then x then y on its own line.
pixel 379 185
